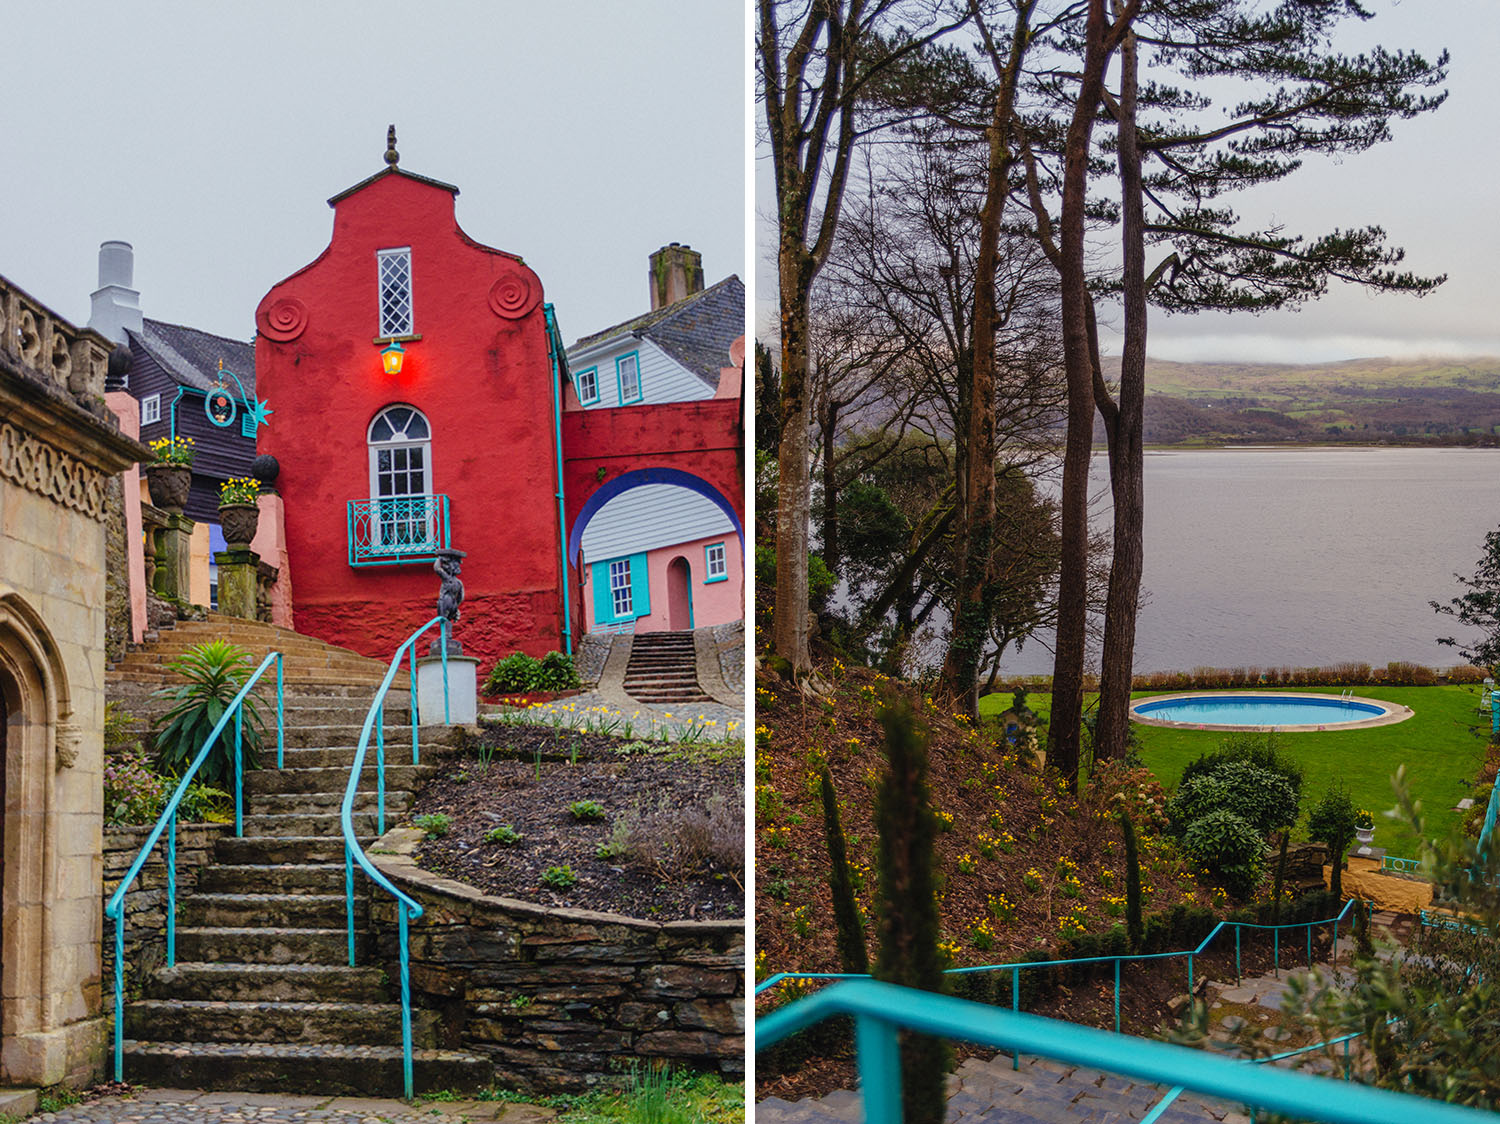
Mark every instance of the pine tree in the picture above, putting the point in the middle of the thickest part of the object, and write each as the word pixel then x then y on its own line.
pixel 853 958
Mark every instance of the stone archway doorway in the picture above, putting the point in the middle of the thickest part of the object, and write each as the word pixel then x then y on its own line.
pixel 679 594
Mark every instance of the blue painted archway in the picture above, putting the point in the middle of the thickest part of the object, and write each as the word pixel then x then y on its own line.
pixel 635 479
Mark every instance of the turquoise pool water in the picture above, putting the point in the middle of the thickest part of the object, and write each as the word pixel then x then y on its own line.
pixel 1258 710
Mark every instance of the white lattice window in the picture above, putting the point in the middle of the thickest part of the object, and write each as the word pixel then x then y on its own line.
pixel 151 409
pixel 620 588
pixel 629 369
pixel 717 566
pixel 395 292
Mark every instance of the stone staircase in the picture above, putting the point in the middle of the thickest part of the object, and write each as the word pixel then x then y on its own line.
pixel 262 997
pixel 663 669
pixel 1040 1092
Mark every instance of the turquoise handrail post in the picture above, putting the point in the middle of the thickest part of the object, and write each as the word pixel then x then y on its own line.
pixel 280 716
pixel 380 769
pixel 167 823
pixel 879 1054
pixel 349 896
pixel 1309 946
pixel 1237 979
pixel 443 637
pixel 172 891
pixel 401 928
pixel 415 718
pixel 1276 950
pixel 1015 1006
pixel 1117 995
pixel 1190 973
pixel 119 999
pixel 408 909
pixel 1162 1105
pixel 1333 953
pixel 239 775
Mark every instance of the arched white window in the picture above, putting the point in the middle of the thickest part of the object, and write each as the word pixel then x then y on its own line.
pixel 400 443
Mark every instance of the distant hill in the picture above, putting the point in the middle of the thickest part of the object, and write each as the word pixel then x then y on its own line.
pixel 1361 401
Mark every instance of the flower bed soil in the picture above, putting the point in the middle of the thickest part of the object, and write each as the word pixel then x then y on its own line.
pixel 535 774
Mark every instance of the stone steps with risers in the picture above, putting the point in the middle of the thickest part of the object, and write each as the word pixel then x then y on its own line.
pixel 266 982
pixel 327 1069
pixel 663 668
pixel 262 996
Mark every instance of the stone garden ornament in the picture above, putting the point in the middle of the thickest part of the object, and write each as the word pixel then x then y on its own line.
pixel 450 595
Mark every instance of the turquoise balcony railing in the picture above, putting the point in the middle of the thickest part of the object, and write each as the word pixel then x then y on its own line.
pixel 395 529
pixel 167 824
pixel 881 1010
pixel 407 908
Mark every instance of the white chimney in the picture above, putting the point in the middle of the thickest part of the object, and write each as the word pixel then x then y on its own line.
pixel 117 306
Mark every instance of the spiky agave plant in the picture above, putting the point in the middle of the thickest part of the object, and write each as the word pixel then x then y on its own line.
pixel 215 671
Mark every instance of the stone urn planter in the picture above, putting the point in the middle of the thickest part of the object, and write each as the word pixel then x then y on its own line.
pixel 239 521
pixel 168 485
pixel 1365 835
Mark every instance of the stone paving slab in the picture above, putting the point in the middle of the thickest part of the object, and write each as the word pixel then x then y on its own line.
pixel 189 1106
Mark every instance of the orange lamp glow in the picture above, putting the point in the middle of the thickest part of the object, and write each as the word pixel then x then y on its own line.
pixel 391 357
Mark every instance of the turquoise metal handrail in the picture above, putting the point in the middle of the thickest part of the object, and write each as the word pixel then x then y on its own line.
pixel 1017 968
pixel 167 821
pixel 407 909
pixel 881 1010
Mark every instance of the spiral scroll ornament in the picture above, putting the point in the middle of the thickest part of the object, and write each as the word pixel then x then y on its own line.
pixel 516 292
pixel 284 320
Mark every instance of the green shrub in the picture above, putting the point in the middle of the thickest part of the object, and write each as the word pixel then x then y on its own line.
pixel 1263 799
pixel 1259 750
pixel 512 675
pixel 434 823
pixel 133 794
pixel 505 835
pixel 1332 821
pixel 215 672
pixel 1229 847
pixel 556 673
pixel 559 877
pixel 586 810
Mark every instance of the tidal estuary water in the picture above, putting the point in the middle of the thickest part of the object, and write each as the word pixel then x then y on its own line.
pixel 1301 557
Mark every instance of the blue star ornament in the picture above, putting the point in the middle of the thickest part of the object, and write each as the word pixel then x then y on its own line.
pixel 260 413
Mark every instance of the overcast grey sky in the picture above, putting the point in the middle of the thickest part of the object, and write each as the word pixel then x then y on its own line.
pixel 1435 188
pixel 582 136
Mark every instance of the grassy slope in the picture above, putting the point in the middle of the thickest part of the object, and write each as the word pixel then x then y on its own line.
pixel 1442 746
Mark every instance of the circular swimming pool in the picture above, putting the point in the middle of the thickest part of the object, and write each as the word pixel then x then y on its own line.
pixel 1265 710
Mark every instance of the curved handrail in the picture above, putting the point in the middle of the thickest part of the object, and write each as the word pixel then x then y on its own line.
pixel 407 907
pixel 1024 965
pixel 880 1010
pixel 113 909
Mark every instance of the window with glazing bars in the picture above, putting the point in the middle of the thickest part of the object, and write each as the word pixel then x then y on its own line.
pixel 717 567
pixel 400 444
pixel 395 292
pixel 620 588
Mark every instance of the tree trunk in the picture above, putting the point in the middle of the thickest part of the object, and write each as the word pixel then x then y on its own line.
pixel 1126 448
pixel 827 424
pixel 789 627
pixel 1067 675
pixel 959 682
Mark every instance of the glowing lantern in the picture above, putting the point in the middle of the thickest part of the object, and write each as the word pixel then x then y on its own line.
pixel 392 356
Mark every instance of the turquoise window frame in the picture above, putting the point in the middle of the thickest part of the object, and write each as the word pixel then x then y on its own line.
pixel 709 577
pixel 640 589
pixel 588 400
pixel 640 383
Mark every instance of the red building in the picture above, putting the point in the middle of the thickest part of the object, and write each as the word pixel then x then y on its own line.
pixel 463 446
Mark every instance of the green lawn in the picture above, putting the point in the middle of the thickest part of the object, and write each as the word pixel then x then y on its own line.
pixel 1442 746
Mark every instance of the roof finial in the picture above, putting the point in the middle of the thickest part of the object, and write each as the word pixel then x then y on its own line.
pixel 392 157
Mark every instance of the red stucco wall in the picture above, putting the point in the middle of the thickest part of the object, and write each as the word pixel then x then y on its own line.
pixel 480 373
pixel 702 438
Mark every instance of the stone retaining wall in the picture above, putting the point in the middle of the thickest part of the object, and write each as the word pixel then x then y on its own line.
pixel 146 901
pixel 562 999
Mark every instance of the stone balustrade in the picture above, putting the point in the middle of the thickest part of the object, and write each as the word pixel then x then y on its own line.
pixel 72 360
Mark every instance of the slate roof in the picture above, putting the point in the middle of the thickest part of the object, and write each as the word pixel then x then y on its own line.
pixel 192 357
pixel 696 331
